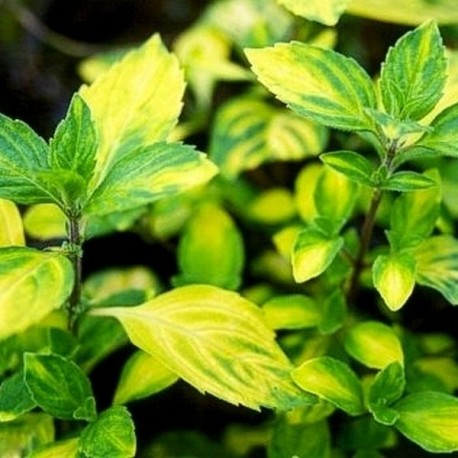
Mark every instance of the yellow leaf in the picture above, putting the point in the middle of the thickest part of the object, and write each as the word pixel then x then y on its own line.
pixel 11 231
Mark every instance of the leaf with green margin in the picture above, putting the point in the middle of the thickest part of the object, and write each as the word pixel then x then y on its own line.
pixel 111 434
pixel 386 388
pixel 11 229
pixel 32 284
pixel 149 173
pixel 15 399
pixel 373 344
pixel 292 439
pixel 136 102
pixel 440 141
pixel 66 448
pixel 408 181
pixel 210 250
pixel 331 184
pixel 326 12
pixel 142 376
pixel 353 165
pixel 414 73
pixel 23 160
pixel 437 266
pixel 394 278
pixel 414 215
pixel 59 387
pixel 429 419
pixel 248 132
pixel 74 144
pixel 292 311
pixel 320 84
pixel 332 380
pixel 313 252
pixel 407 12
pixel 215 340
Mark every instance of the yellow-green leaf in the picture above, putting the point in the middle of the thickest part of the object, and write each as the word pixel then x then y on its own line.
pixel 215 340
pixel 320 84
pixel 430 419
pixel 45 221
pixel 32 284
pixel 437 266
pixel 142 376
pixel 409 12
pixel 211 250
pixel 374 344
pixel 326 12
pixel 274 206
pixel 11 230
pixel 394 278
pixel 313 252
pixel 135 102
pixel 66 448
pixel 332 380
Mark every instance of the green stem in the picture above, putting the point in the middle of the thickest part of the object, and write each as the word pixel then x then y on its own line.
pixel 368 227
pixel 366 235
pixel 75 241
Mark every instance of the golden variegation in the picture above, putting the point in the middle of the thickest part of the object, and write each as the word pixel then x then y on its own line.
pixel 11 230
pixel 326 12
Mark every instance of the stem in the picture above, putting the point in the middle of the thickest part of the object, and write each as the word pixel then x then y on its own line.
pixel 75 242
pixel 366 234
pixel 368 226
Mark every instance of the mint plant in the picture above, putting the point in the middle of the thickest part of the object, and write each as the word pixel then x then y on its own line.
pixel 306 324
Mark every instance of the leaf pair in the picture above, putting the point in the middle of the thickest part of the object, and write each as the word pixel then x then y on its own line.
pixel 334 90
pixel 110 153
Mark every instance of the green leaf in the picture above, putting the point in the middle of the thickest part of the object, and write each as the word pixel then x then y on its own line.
pixel 135 103
pixel 293 311
pixel 414 73
pixel 386 388
pixel 332 380
pixel 408 181
pixel 215 340
pixel 440 141
pixel 320 84
pixel 148 173
pixel 334 312
pixel 112 434
pixel 374 344
pixel 292 439
pixel 23 156
pixel 11 230
pixel 66 448
pixel 59 387
pixel 248 132
pixel 354 166
pixel 32 284
pixel 437 266
pixel 211 250
pixel 313 252
pixel 394 278
pixel 408 12
pixel 74 144
pixel 429 419
pixel 15 399
pixel 326 12
pixel 142 376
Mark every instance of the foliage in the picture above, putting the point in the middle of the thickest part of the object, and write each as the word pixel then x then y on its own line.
pixel 289 296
